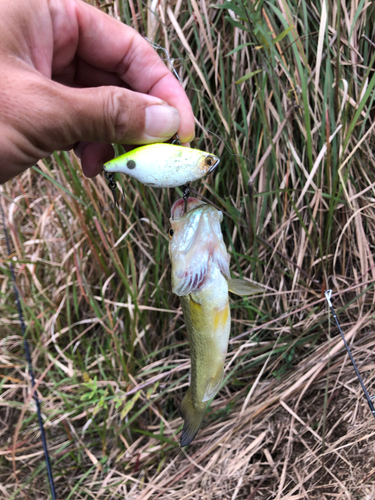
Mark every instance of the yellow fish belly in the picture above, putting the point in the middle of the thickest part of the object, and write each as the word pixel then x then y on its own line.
pixel 207 317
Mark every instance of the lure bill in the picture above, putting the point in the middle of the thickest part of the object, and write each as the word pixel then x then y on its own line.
pixel 164 165
pixel 201 278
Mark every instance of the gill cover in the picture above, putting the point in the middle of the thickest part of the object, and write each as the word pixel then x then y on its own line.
pixel 196 243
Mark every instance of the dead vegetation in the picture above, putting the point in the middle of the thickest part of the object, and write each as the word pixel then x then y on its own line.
pixel 108 343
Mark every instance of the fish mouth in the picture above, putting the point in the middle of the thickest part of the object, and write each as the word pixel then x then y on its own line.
pixel 177 210
pixel 214 166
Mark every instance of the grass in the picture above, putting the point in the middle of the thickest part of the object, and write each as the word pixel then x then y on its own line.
pixel 290 88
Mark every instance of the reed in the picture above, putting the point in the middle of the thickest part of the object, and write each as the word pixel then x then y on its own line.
pixel 288 85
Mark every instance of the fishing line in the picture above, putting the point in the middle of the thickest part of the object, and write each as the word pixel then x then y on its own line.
pixel 222 140
pixel 369 398
pixel 28 358
pixel 171 61
pixel 156 46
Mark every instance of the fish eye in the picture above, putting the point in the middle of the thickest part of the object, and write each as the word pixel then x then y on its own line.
pixel 171 232
pixel 210 161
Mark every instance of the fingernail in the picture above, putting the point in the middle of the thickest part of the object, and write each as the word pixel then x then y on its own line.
pixel 161 121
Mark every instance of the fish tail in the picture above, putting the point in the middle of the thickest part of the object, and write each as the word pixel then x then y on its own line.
pixel 192 416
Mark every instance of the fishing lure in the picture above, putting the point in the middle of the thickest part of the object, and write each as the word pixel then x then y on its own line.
pixel 164 165
pixel 201 278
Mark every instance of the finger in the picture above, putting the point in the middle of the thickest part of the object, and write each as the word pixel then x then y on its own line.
pixel 113 47
pixel 55 115
pixel 69 147
pixel 112 114
pixel 93 156
pixel 82 74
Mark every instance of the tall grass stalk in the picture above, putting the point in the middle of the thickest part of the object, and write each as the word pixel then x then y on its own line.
pixel 283 92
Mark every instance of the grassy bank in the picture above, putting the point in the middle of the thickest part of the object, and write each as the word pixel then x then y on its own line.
pixel 283 92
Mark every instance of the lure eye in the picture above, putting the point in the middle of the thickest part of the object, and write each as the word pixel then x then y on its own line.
pixel 171 232
pixel 210 161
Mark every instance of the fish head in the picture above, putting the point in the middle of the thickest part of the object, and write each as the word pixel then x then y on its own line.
pixel 196 244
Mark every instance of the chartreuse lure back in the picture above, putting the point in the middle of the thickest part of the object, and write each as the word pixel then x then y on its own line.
pixel 164 165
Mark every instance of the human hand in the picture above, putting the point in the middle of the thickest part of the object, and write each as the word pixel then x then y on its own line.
pixel 71 76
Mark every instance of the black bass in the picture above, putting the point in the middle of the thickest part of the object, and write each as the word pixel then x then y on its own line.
pixel 201 278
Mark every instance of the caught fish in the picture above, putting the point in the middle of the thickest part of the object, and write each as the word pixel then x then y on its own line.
pixel 201 278
pixel 164 165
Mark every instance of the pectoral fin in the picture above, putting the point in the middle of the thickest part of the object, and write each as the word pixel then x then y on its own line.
pixel 241 287
pixel 192 416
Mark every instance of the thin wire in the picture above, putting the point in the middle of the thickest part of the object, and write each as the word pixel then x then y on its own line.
pixel 369 398
pixel 226 147
pixel 156 46
pixel 28 357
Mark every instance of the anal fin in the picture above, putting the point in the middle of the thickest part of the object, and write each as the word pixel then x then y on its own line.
pixel 214 385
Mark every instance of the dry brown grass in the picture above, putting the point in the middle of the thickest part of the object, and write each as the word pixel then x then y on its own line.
pixel 109 348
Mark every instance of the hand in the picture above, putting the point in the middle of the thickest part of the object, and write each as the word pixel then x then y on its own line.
pixel 71 76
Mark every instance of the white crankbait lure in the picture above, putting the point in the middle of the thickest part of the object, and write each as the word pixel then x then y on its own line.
pixel 164 165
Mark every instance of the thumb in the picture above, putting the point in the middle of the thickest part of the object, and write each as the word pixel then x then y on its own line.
pixel 40 116
pixel 108 114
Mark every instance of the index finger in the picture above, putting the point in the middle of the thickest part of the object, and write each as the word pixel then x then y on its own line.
pixel 117 48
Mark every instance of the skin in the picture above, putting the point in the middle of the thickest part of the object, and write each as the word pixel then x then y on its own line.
pixel 71 76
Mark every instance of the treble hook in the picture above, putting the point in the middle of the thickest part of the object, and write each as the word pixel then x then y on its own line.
pixel 112 186
pixel 185 188
pixel 185 195
pixel 176 140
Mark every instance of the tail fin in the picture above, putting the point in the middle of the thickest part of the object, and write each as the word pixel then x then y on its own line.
pixel 193 419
